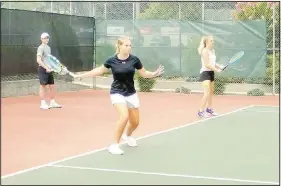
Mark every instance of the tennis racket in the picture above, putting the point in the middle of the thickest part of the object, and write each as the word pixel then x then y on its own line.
pixel 234 59
pixel 56 66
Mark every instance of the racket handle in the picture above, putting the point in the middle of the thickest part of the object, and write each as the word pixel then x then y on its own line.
pixel 224 68
pixel 70 73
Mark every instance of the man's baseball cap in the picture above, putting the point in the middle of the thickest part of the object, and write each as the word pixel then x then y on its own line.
pixel 44 35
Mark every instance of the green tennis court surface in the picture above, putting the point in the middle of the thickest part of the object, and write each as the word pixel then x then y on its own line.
pixel 241 147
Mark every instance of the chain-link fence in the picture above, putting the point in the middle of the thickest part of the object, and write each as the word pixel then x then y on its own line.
pixel 71 41
pixel 169 33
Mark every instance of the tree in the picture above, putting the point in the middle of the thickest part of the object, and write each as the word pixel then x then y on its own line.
pixel 260 10
pixel 22 5
pixel 172 10
pixel 82 9
pixel 264 10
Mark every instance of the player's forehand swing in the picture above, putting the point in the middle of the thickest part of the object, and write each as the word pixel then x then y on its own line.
pixel 122 93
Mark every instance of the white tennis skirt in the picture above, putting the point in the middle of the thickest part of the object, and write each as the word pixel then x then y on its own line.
pixel 131 101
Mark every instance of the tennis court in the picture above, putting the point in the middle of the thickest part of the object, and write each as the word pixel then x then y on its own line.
pixel 241 146
pixel 69 145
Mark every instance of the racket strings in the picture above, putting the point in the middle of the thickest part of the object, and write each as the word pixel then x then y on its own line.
pixel 56 65
pixel 236 57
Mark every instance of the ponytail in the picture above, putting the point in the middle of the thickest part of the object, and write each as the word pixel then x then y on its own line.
pixel 117 47
pixel 202 45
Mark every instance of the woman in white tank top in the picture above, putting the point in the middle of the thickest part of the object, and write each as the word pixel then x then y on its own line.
pixel 207 75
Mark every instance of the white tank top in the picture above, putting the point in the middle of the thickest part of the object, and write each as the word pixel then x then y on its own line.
pixel 212 61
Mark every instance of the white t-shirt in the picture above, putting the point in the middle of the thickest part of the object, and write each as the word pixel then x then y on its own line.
pixel 212 60
pixel 43 50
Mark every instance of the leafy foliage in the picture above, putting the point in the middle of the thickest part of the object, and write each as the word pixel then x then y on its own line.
pixel 260 11
pixel 169 11
pixel 255 92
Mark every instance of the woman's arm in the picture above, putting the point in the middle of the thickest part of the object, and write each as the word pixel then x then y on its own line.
pixel 147 74
pixel 219 66
pixel 95 72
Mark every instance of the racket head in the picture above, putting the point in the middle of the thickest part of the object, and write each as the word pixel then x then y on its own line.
pixel 54 63
pixel 236 57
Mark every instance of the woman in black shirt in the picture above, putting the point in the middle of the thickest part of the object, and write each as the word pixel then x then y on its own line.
pixel 122 93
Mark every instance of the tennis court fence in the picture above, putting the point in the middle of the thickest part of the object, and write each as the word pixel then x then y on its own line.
pixel 83 35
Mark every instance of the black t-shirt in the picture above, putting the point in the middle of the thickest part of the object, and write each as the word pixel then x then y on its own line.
pixel 123 74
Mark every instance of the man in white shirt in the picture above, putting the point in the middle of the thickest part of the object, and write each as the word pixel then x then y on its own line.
pixel 45 74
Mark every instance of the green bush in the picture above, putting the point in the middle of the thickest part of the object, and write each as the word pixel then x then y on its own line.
pixel 177 90
pixel 145 84
pixel 269 70
pixel 255 92
pixel 183 90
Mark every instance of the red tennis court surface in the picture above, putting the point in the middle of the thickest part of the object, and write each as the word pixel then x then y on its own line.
pixel 31 137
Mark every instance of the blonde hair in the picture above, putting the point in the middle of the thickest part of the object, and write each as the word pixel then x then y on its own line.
pixel 120 42
pixel 203 43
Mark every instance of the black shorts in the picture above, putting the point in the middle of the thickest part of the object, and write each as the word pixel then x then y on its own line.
pixel 44 77
pixel 207 75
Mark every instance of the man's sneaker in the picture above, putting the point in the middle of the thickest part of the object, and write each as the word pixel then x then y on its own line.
pixel 44 105
pixel 114 149
pixel 211 112
pixel 202 114
pixel 130 140
pixel 54 104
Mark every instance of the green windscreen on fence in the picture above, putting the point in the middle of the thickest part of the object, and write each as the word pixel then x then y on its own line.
pixel 71 40
pixel 174 44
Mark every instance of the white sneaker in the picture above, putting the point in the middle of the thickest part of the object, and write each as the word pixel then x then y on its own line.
pixel 130 140
pixel 44 105
pixel 114 149
pixel 54 104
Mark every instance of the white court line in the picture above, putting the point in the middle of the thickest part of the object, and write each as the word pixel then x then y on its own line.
pixel 164 174
pixel 272 111
pixel 266 106
pixel 98 150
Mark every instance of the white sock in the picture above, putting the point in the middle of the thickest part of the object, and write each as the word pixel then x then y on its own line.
pixel 43 102
pixel 52 101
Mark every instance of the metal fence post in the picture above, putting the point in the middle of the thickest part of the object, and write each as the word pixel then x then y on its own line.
pixel 273 57
pixel 94 45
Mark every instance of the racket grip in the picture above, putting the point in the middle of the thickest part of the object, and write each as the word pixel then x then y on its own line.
pixel 70 73
pixel 224 68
